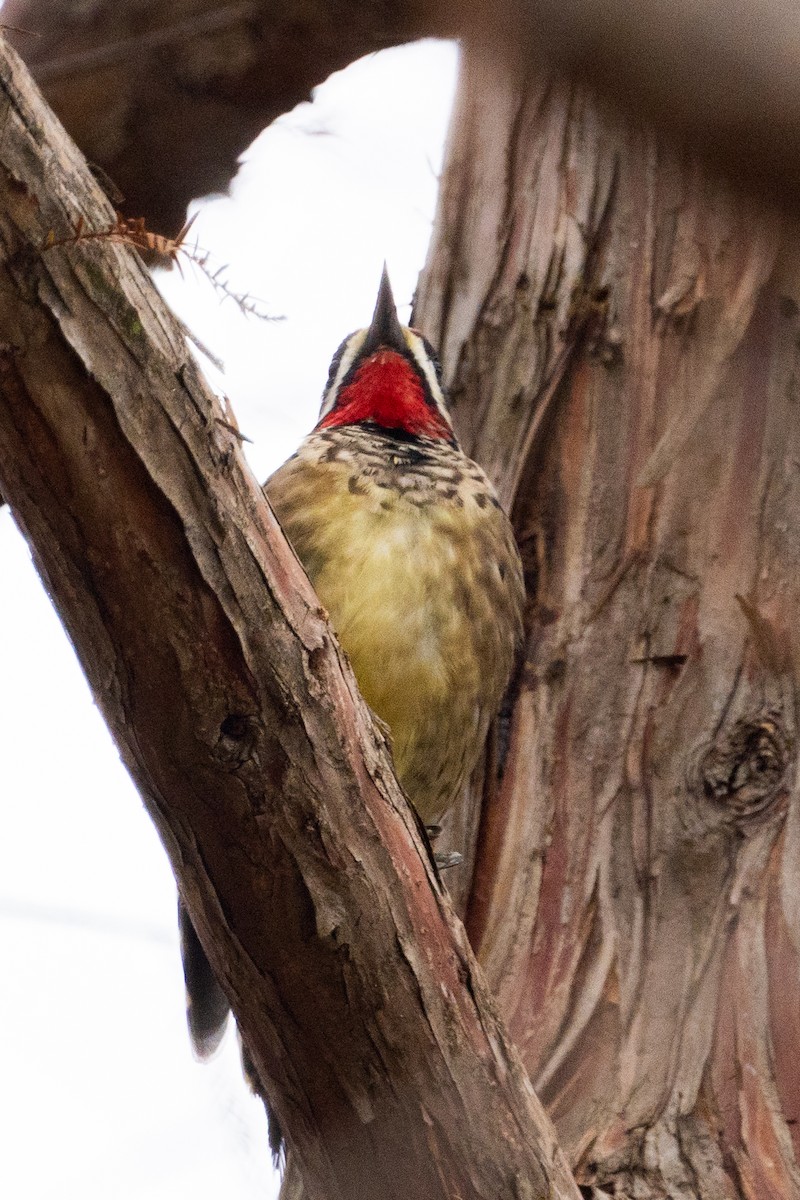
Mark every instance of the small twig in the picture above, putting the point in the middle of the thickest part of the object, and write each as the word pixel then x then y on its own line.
pixel 132 231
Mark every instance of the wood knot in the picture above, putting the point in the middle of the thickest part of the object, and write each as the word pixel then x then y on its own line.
pixel 744 769
pixel 237 737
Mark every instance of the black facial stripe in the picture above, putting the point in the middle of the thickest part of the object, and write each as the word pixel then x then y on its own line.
pixel 348 376
pixel 335 363
pixel 432 355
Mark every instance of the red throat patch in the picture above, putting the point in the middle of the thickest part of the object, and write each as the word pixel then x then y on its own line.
pixel 387 391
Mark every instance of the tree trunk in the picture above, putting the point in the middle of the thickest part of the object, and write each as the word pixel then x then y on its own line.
pixel 620 337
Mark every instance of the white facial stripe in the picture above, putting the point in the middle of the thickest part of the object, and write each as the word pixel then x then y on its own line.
pixel 417 348
pixel 352 348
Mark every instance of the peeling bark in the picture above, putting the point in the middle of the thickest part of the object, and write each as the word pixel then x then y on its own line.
pixel 353 984
pixel 620 336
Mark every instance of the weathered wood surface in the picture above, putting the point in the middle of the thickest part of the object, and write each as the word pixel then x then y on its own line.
pixel 620 335
pixel 353 984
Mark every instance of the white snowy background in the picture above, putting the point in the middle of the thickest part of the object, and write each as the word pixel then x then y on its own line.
pixel 100 1098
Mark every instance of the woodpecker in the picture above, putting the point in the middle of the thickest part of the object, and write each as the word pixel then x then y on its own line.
pixel 409 551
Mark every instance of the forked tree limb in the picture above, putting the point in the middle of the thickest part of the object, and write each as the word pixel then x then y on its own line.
pixel 238 718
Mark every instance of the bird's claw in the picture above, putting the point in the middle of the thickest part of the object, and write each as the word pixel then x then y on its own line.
pixel 447 859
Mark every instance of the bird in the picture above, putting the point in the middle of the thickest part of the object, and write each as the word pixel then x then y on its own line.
pixel 411 554
pixel 409 551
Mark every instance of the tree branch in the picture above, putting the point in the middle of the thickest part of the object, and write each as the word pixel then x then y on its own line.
pixel 165 105
pixel 238 718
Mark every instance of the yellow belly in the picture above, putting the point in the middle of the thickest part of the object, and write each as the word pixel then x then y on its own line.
pixel 426 614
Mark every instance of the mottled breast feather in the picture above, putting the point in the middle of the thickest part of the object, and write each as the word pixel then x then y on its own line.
pixel 416 563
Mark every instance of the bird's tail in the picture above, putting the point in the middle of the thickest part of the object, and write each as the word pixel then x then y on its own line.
pixel 207 1005
pixel 207 1011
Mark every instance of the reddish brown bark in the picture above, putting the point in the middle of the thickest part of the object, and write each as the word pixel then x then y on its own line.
pixel 620 335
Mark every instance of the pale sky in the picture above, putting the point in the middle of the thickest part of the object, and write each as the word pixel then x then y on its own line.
pixel 100 1096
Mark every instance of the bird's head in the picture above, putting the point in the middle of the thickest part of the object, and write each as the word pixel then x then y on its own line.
pixel 387 376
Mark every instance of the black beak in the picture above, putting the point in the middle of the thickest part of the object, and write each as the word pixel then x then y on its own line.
pixel 385 329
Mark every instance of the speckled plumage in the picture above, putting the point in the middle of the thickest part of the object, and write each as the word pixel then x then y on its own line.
pixel 415 561
pixel 411 554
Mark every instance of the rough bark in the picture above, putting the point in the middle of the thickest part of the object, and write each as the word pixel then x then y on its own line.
pixel 353 984
pixel 620 335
